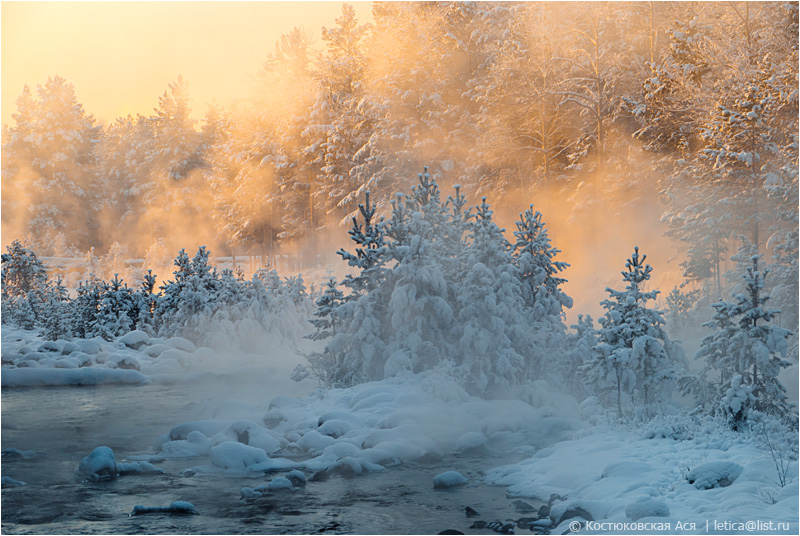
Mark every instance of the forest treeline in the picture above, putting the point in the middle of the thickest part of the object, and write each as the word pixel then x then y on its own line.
pixel 696 103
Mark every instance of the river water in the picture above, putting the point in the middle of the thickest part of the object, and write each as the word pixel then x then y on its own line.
pixel 62 425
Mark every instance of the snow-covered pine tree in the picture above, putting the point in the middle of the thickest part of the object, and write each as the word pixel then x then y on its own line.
pixel 633 353
pixel 115 310
pixel 22 271
pixel 541 285
pixel 420 310
pixel 85 307
pixel 56 321
pixel 370 252
pixel 708 386
pixel 24 284
pixel 757 347
pixel 145 302
pixel 325 365
pixel 492 333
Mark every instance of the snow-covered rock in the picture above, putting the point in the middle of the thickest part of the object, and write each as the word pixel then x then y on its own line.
pixel 135 339
pixel 100 464
pixel 448 480
pixel 714 474
pixel 236 456
pixel 279 483
pixel 647 507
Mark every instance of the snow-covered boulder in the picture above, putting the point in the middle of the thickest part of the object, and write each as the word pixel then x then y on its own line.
pixel 714 474
pixel 279 483
pixel 249 433
pixel 89 346
pixel 647 507
pixel 195 444
pixel 237 456
pixel 448 480
pixel 297 477
pixel 69 347
pixel 135 339
pixel 250 493
pixel 100 464
pixel 334 428
pixel 156 350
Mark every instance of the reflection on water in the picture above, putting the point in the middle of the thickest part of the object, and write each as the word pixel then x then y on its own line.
pixel 64 424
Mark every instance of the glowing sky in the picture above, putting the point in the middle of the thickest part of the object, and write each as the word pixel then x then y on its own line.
pixel 121 56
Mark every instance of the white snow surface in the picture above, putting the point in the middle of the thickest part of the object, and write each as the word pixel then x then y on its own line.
pixel 620 476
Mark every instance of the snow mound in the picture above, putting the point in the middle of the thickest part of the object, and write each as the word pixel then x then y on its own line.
pixel 279 483
pixel 126 468
pixel 448 480
pixel 100 464
pixel 175 508
pixel 135 339
pixel 195 444
pixel 250 493
pixel 232 455
pixel 714 474
pixel 647 507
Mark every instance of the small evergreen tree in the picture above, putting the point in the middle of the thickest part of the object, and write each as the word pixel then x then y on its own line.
pixel 56 322
pixel 749 346
pixel 633 353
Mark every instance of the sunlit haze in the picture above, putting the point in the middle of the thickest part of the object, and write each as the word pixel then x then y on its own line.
pixel 121 55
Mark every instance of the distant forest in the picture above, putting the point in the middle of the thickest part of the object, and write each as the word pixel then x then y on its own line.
pixel 693 104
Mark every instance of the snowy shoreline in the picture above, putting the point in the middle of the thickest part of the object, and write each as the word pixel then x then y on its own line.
pixel 620 477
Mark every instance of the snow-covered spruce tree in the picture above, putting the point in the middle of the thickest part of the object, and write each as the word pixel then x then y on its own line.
pixel 24 283
pixel 633 354
pixel 323 366
pixel 22 271
pixel 115 312
pixel 715 349
pixel 361 339
pixel 85 307
pixel 145 302
pixel 541 286
pixel 748 345
pixel 56 318
pixel 491 327
pixel 420 309
pixel 190 299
